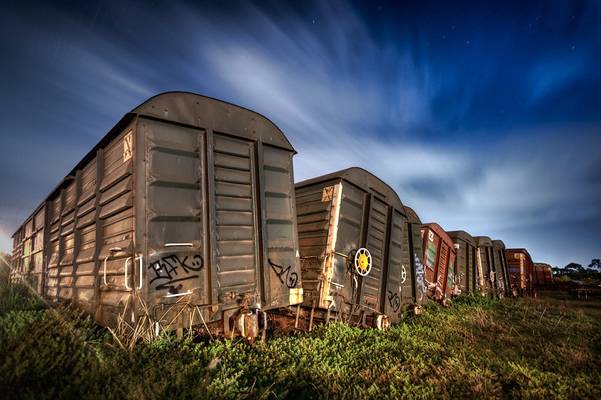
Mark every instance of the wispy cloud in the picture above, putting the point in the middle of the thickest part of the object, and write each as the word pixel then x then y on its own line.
pixel 344 92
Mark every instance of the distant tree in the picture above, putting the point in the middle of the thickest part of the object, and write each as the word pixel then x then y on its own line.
pixel 573 266
pixel 595 264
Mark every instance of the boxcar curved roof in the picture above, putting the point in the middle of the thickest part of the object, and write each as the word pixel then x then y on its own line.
pixel 205 112
pixel 544 265
pixel 483 241
pixel 463 235
pixel 522 251
pixel 412 215
pixel 363 179
pixel 499 244
pixel 193 110
pixel 440 232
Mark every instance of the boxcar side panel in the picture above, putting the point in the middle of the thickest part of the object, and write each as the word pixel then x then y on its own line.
pixel 377 234
pixel 431 257
pixel 174 217
pixel 396 288
pixel 281 270
pixel 417 263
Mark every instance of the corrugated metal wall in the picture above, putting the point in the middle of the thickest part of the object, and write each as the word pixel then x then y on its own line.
pixel 314 215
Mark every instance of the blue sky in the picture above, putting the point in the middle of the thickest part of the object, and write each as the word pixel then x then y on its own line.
pixel 485 118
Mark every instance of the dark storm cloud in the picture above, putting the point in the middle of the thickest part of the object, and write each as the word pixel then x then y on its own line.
pixel 483 118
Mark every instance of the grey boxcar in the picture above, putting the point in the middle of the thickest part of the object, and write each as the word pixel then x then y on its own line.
pixel 466 260
pixel 501 264
pixel 414 242
pixel 490 269
pixel 183 214
pixel 484 260
pixel 339 214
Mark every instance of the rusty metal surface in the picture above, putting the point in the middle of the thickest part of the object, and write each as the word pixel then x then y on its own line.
pixel 337 214
pixel 520 266
pixel 543 275
pixel 439 259
pixel 187 200
pixel 465 245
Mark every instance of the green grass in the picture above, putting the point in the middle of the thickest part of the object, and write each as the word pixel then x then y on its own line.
pixel 478 348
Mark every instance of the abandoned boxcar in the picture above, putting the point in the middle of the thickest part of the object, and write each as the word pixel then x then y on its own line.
pixel 414 232
pixel 538 278
pixel 183 214
pixel 353 243
pixel 485 269
pixel 466 260
pixel 520 268
pixel 501 264
pixel 543 276
pixel 439 262
pixel 548 276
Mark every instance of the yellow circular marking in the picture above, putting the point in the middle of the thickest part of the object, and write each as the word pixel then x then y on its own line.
pixel 363 262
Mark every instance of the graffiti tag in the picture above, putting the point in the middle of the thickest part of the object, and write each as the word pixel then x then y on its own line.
pixel 394 300
pixel 290 279
pixel 419 277
pixel 171 269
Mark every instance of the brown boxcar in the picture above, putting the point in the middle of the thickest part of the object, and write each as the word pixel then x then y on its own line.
pixel 183 214
pixel 538 277
pixel 465 246
pixel 520 268
pixel 340 216
pixel 543 275
pixel 549 276
pixel 439 262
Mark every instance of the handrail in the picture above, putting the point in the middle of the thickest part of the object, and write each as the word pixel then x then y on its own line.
pixel 127 260
pixel 105 260
pixel 141 271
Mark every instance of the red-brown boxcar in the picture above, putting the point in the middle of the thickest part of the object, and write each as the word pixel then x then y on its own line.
pixel 544 276
pixel 439 262
pixel 520 268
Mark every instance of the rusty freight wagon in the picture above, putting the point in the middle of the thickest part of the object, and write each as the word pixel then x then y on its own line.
pixel 182 215
pixel 353 242
pixel 439 262
pixel 520 268
pixel 548 276
pixel 544 275
pixel 465 246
